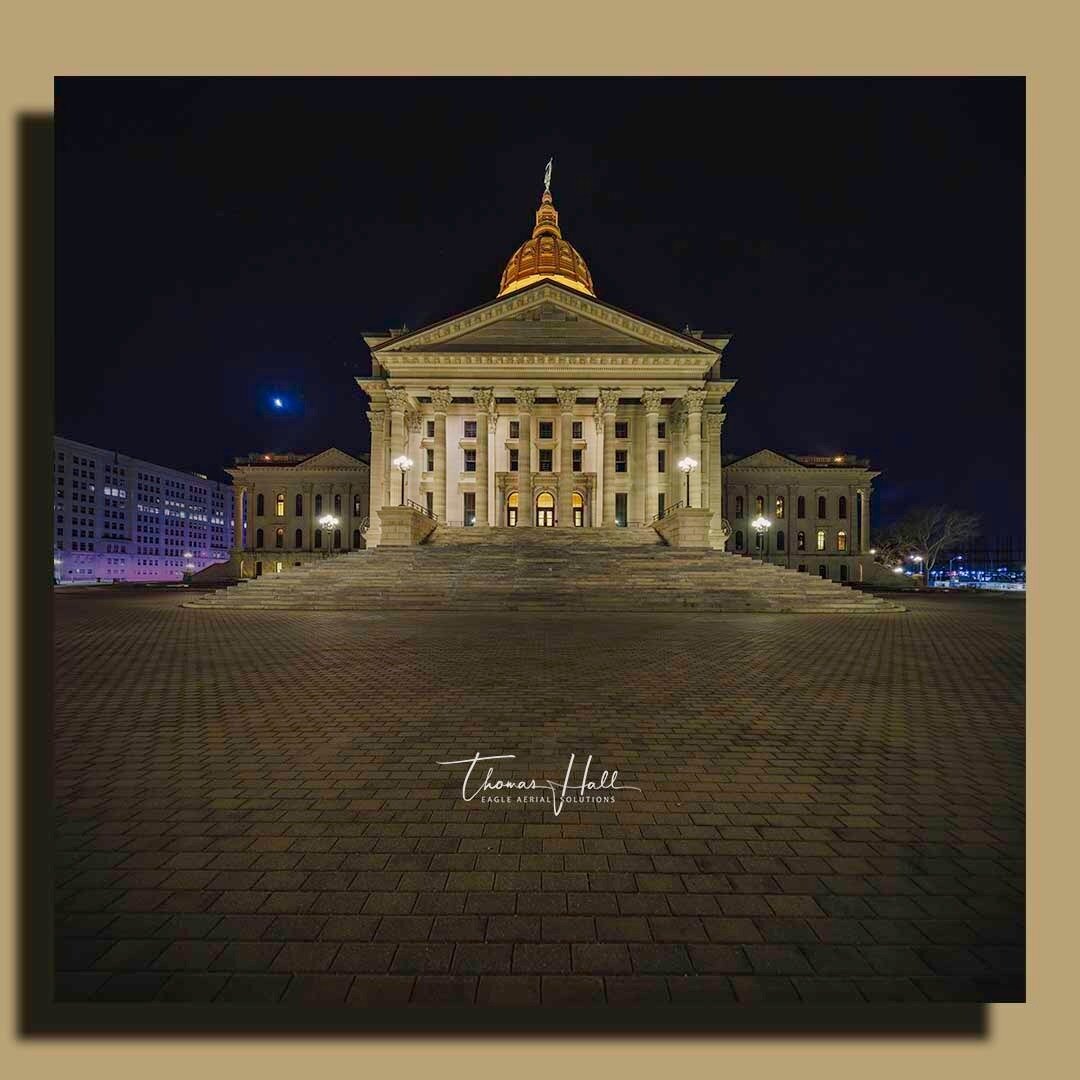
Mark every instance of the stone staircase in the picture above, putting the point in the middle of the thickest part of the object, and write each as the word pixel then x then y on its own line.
pixel 535 569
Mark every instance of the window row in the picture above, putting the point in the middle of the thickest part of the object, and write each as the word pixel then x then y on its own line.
pixel 800 506
pixel 820 539
pixel 279 505
pixel 298 538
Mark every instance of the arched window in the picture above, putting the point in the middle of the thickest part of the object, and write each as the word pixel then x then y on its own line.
pixel 337 538
pixel 738 539
pixel 260 505
pixel 356 538
pixel 299 507
pixel 577 508
pixel 843 571
pixel 357 506
pixel 800 506
pixel 259 536
pixel 759 504
pixel 821 539
pixel 800 540
pixel 279 538
pixel 779 539
pixel 823 571
pixel 318 505
pixel 841 510
pixel 757 541
pixel 299 537
pixel 279 507
pixel 337 504
pixel 318 538
pixel 821 506
pixel 512 509
pixel 841 541
pixel 739 512
pixel 779 506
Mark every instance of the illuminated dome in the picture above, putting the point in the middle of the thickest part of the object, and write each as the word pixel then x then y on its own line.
pixel 546 256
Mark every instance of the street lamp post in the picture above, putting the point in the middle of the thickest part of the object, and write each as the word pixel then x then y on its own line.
pixel 328 523
pixel 688 465
pixel 761 525
pixel 404 464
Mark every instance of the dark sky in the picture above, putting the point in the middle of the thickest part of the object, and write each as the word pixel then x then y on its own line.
pixel 223 240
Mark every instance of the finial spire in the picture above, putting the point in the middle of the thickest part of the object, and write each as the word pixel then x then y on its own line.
pixel 547 176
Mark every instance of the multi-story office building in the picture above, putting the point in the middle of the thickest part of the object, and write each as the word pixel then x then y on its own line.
pixel 118 518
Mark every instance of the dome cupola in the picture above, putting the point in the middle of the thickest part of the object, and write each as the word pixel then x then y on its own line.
pixel 546 255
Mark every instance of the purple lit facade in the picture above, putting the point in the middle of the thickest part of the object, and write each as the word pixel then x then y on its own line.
pixel 118 518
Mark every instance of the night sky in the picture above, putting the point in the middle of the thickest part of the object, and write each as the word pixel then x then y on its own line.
pixel 222 241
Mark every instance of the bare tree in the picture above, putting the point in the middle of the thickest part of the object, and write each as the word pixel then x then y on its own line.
pixel 926 533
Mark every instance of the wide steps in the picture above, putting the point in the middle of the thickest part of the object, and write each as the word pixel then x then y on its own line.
pixel 543 570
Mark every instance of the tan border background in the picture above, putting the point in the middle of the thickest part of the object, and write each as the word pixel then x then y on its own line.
pixel 827 37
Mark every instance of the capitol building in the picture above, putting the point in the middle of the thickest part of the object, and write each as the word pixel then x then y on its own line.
pixel 548 408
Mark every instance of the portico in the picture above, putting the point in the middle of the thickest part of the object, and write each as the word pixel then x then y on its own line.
pixel 545 407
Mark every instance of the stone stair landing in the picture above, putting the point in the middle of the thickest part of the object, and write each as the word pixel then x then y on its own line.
pixel 537 569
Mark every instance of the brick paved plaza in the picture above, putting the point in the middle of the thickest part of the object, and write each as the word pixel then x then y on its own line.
pixel 249 807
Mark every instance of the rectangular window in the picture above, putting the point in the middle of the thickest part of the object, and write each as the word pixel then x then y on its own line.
pixel 470 461
pixel 513 461
pixel 661 460
pixel 821 539
pixel 620 460
pixel 620 509
pixel 661 430
pixel 470 429
pixel 470 508
pixel 545 460
pixel 622 429
pixel 430 466
pixel 431 429
pixel 546 428
pixel 660 500
pixel 577 460
pixel 575 430
pixel 515 429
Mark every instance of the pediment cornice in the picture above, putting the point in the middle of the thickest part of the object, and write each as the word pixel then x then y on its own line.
pixel 429 339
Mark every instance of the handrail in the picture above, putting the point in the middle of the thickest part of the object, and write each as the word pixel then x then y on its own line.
pixel 667 510
pixel 421 509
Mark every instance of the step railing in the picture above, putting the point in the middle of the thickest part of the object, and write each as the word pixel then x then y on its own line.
pixel 421 509
pixel 667 510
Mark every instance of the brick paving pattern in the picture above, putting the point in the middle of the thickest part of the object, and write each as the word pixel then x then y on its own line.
pixel 249 809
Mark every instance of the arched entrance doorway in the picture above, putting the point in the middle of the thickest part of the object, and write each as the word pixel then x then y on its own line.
pixel 512 509
pixel 545 509
pixel 578 505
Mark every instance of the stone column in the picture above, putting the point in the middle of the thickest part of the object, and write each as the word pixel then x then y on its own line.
pixel 309 518
pixel 596 517
pixel 492 496
pixel 376 491
pixel 676 483
pixel 440 402
pixel 398 400
pixel 650 400
pixel 609 402
pixel 238 518
pixel 526 399
pixel 865 537
pixel 567 400
pixel 484 398
pixel 694 399
pixel 414 421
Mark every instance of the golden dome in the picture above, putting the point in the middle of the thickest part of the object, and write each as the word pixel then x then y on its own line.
pixel 546 255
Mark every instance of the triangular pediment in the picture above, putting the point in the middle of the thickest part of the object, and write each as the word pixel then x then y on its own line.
pixel 331 459
pixel 766 459
pixel 547 318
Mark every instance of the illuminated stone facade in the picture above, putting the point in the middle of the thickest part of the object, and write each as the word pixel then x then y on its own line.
pixel 281 501
pixel 545 406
